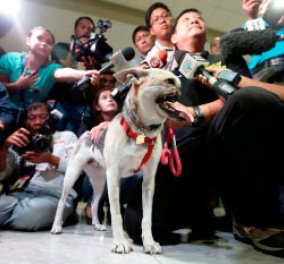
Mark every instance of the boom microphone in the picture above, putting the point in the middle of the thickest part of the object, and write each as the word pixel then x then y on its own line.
pixel 193 65
pixel 240 43
pixel 119 60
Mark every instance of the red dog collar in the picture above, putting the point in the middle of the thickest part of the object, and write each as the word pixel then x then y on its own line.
pixel 139 139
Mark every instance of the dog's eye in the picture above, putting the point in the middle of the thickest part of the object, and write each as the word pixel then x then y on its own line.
pixel 170 81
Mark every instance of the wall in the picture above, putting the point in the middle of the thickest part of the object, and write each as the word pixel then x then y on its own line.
pixel 59 17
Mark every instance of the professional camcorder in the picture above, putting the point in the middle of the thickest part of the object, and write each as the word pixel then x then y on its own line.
pixel 96 45
pixel 42 140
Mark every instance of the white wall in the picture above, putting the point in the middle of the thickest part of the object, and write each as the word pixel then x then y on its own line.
pixel 59 17
pixel 61 23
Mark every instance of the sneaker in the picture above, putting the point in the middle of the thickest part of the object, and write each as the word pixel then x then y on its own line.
pixel 269 241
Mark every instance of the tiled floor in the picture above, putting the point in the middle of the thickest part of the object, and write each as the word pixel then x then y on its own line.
pixel 80 244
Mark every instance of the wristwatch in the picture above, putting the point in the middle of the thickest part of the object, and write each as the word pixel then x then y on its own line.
pixel 198 116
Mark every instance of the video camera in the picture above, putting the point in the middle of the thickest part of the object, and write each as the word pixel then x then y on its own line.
pixel 96 45
pixel 42 140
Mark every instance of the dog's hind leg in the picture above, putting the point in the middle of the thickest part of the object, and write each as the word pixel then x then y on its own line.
pixel 74 169
pixel 150 245
pixel 97 178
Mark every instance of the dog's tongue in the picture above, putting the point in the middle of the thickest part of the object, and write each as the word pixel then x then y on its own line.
pixel 181 109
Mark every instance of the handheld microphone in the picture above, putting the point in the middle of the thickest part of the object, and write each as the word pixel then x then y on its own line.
pixel 159 60
pixel 119 60
pixel 119 93
pixel 193 65
pixel 243 42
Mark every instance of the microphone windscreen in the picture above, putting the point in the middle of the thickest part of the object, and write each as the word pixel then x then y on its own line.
pixel 163 56
pixel 247 42
pixel 128 53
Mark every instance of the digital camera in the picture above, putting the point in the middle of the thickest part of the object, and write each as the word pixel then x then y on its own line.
pixel 42 140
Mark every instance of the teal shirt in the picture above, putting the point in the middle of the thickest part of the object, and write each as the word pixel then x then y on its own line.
pixel 13 65
pixel 276 51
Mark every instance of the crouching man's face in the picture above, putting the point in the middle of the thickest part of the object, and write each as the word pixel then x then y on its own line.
pixel 36 118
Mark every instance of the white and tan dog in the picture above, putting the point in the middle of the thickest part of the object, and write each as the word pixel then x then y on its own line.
pixel 131 142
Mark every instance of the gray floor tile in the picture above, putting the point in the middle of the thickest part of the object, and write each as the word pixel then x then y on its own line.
pixel 80 244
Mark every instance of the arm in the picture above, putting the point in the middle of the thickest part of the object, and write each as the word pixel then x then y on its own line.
pixel 208 110
pixel 274 88
pixel 23 82
pixel 73 75
pixel 246 82
pixel 6 116
pixel 62 146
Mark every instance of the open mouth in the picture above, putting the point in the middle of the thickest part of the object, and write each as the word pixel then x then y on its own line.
pixel 163 101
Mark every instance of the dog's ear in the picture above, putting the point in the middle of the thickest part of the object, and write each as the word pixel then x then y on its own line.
pixel 131 75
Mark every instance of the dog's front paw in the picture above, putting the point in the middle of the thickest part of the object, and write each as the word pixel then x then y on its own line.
pixel 152 248
pixel 122 247
pixel 99 227
pixel 56 229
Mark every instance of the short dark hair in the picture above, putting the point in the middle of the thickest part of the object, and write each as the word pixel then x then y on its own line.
pixel 151 9
pixel 84 17
pixel 36 105
pixel 138 29
pixel 188 10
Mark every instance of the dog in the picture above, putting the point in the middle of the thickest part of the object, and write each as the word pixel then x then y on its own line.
pixel 131 142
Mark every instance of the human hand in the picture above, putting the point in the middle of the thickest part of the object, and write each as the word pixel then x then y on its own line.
pixel 26 81
pixel 19 138
pixel 95 79
pixel 89 62
pixel 96 131
pixel 183 111
pixel 251 7
pixel 37 157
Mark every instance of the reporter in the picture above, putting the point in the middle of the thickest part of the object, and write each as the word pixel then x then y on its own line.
pixel 29 76
pixel 31 201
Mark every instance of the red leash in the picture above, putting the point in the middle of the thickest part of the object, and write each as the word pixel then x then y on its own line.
pixel 171 156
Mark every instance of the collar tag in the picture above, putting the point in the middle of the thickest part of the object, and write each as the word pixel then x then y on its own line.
pixel 140 139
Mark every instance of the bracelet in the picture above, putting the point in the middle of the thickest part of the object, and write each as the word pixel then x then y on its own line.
pixel 198 116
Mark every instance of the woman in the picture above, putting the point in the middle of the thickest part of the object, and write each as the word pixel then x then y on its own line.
pixel 29 76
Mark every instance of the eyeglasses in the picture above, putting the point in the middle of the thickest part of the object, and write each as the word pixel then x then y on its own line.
pixel 156 19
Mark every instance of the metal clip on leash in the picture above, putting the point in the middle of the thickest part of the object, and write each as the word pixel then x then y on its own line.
pixel 171 156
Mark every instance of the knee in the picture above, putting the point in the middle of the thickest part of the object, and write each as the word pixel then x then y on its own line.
pixel 7 205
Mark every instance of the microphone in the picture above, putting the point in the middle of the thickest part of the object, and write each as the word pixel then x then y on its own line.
pixel 240 43
pixel 159 60
pixel 119 60
pixel 119 93
pixel 193 65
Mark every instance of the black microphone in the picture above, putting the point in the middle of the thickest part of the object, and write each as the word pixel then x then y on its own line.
pixel 236 44
pixel 193 65
pixel 119 59
pixel 120 92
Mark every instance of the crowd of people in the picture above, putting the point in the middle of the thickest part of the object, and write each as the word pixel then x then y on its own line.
pixel 231 149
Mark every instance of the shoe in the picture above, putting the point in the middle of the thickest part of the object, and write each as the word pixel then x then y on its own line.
pixel 269 241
